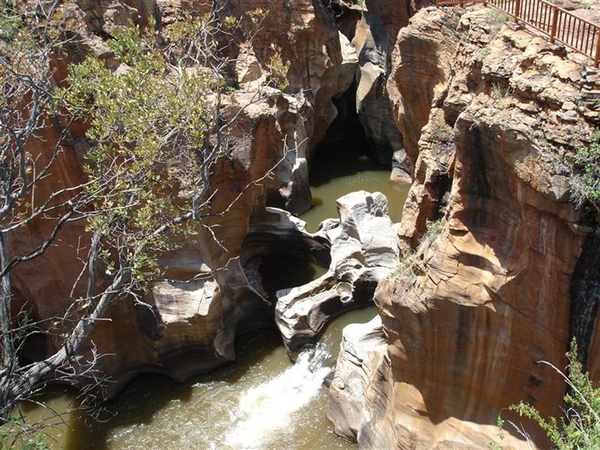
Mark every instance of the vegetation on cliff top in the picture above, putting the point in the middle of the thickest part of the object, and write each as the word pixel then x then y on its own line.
pixel 586 184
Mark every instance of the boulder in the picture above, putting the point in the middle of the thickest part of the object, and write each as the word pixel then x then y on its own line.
pixel 362 347
pixel 363 250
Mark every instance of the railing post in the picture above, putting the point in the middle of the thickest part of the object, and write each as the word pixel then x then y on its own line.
pixel 597 57
pixel 554 24
pixel 517 10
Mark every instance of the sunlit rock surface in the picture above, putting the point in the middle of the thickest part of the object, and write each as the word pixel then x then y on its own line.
pixel 188 322
pixel 363 346
pixel 364 249
pixel 487 125
pixel 494 131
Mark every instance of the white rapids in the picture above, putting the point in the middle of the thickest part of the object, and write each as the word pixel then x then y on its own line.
pixel 266 410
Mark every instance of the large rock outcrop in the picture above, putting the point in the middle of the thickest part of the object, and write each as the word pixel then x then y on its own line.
pixel 487 295
pixel 189 320
pixel 373 36
pixel 363 250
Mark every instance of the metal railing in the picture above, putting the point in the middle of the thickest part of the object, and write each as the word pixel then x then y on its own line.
pixel 557 23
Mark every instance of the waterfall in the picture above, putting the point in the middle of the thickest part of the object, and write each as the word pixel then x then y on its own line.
pixel 266 411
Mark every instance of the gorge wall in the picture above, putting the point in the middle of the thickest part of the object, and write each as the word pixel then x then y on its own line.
pixel 494 116
pixel 484 118
pixel 210 291
pixel 211 288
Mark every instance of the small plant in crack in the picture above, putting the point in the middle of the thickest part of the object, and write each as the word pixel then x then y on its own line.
pixel 483 53
pixel 498 92
pixel 411 263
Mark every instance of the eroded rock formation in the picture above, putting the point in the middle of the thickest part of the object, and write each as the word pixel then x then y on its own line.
pixel 363 249
pixel 484 117
pixel 189 321
pixel 493 120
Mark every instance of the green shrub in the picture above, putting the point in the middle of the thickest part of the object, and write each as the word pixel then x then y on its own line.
pixel 278 69
pixel 14 435
pixel 579 429
pixel 585 186
pixel 148 132
pixel 10 22
pixel 410 263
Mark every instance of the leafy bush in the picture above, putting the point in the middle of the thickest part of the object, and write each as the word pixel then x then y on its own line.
pixel 10 22
pixel 579 429
pixel 154 130
pixel 278 69
pixel 585 186
pixel 148 129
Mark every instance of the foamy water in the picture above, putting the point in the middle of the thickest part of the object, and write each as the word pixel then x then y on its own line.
pixel 261 402
pixel 267 410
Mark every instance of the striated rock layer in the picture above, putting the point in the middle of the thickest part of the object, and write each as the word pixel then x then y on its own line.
pixel 189 320
pixel 485 118
pixel 493 117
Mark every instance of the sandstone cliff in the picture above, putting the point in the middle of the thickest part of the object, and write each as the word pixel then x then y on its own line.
pixel 211 291
pixel 485 119
pixel 492 116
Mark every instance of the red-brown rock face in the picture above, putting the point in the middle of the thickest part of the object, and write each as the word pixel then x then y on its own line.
pixel 494 121
pixel 191 319
pixel 489 124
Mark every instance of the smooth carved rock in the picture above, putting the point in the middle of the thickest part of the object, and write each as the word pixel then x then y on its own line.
pixel 373 39
pixel 362 347
pixel 349 63
pixel 363 250
pixel 489 296
pixel 190 326
pixel 420 67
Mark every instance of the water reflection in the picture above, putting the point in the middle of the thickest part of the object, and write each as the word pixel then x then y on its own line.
pixel 330 179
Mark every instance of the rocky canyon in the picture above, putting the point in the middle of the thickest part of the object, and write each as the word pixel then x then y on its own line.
pixel 491 116
pixel 491 273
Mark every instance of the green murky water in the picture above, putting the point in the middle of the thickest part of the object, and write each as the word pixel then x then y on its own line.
pixel 330 181
pixel 261 402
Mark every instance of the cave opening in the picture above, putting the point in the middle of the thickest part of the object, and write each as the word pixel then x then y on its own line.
pixel 283 271
pixel 347 160
pixel 345 150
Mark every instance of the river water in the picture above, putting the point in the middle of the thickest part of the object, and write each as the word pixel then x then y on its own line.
pixel 261 401
pixel 329 182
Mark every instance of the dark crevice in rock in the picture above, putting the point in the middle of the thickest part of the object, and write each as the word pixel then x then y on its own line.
pixel 585 290
pixel 278 254
pixel 347 20
pixel 282 271
pixel 345 141
pixel 440 187
pixel 335 7
pixel 346 134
